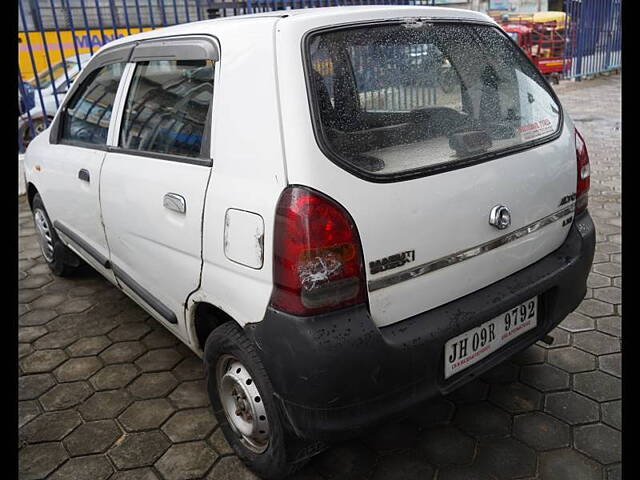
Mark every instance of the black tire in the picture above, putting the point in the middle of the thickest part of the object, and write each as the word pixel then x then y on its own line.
pixel 273 463
pixel 62 261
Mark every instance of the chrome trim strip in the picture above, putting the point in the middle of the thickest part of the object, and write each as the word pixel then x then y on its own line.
pixel 463 255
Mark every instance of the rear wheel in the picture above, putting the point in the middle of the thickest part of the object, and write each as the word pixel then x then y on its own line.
pixel 61 260
pixel 242 399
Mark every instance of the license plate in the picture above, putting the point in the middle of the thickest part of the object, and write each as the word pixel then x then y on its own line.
pixel 472 346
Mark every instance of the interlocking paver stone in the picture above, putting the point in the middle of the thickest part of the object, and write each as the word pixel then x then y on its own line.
pixel 122 352
pixel 611 364
pixel 88 346
pixel 160 338
pixel 191 368
pixel 515 397
pixel 27 411
pixel 541 431
pixel 544 377
pixel 103 405
pixel 560 339
pixel 483 419
pixel 612 413
pixel 58 339
pixel 608 269
pixel 188 425
pixel 610 325
pixel 24 349
pixel 219 443
pixel 572 360
pixel 49 300
pixel 39 460
pixel 564 464
pixel 392 436
pixel 506 458
pixel 36 317
pixel 33 386
pixel 139 449
pixel 446 446
pixel 190 395
pixel 129 331
pixel 595 308
pixel 42 361
pixel 595 280
pixel 614 472
pixel 577 322
pixel 186 461
pixel 599 441
pixel 65 395
pixel 50 426
pixel 92 437
pixel 571 407
pixel 609 294
pixel 159 360
pixel 533 354
pixel 146 414
pixel 598 385
pixel 145 473
pixel 114 376
pixel 30 334
pixel 230 468
pixel 152 385
pixel 596 342
pixel 77 369
pixel 94 467
pixel 74 306
pixel 463 473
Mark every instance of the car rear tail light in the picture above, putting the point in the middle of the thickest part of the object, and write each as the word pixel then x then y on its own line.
pixel 584 174
pixel 317 259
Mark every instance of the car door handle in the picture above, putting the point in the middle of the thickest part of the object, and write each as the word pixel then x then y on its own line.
pixel 175 202
pixel 83 174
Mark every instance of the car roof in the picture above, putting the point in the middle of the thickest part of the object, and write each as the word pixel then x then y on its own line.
pixel 332 15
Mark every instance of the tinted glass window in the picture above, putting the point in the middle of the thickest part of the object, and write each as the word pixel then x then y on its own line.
pixel 86 118
pixel 167 106
pixel 404 97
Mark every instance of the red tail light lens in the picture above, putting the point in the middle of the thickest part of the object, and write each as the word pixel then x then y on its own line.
pixel 317 263
pixel 584 174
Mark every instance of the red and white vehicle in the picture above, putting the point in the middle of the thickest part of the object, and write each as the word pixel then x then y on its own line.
pixel 345 211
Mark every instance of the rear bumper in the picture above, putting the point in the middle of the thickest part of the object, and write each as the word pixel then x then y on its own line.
pixel 339 373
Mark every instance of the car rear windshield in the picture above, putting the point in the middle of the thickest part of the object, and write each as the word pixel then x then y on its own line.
pixel 405 98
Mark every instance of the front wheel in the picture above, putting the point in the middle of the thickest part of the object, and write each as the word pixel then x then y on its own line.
pixel 242 399
pixel 62 261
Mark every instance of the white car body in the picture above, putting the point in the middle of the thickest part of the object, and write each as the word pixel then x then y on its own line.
pixel 220 251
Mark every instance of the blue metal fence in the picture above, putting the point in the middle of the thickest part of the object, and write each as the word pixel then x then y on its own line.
pixel 594 30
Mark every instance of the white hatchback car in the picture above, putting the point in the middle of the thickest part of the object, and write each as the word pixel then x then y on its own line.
pixel 345 211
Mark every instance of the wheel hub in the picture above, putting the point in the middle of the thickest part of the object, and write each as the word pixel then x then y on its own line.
pixel 242 404
pixel 45 236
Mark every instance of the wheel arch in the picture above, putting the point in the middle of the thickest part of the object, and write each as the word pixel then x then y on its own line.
pixel 205 318
pixel 31 193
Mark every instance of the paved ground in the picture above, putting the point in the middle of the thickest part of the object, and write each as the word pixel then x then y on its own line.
pixel 106 392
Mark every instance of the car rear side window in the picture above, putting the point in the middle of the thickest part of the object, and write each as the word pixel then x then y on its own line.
pixel 406 98
pixel 87 115
pixel 167 107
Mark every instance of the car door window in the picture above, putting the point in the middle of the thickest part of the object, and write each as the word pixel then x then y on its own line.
pixel 167 107
pixel 86 117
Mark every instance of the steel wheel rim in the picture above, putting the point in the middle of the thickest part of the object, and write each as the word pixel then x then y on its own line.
pixel 242 404
pixel 45 237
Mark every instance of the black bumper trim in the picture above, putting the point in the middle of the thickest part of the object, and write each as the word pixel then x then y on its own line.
pixel 338 372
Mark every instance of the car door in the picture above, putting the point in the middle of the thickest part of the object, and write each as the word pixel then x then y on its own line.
pixel 156 172
pixel 78 139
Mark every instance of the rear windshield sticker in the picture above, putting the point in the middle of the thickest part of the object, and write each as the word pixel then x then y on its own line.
pixel 536 129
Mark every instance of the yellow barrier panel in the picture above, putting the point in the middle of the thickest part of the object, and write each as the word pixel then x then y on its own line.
pixel 83 38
